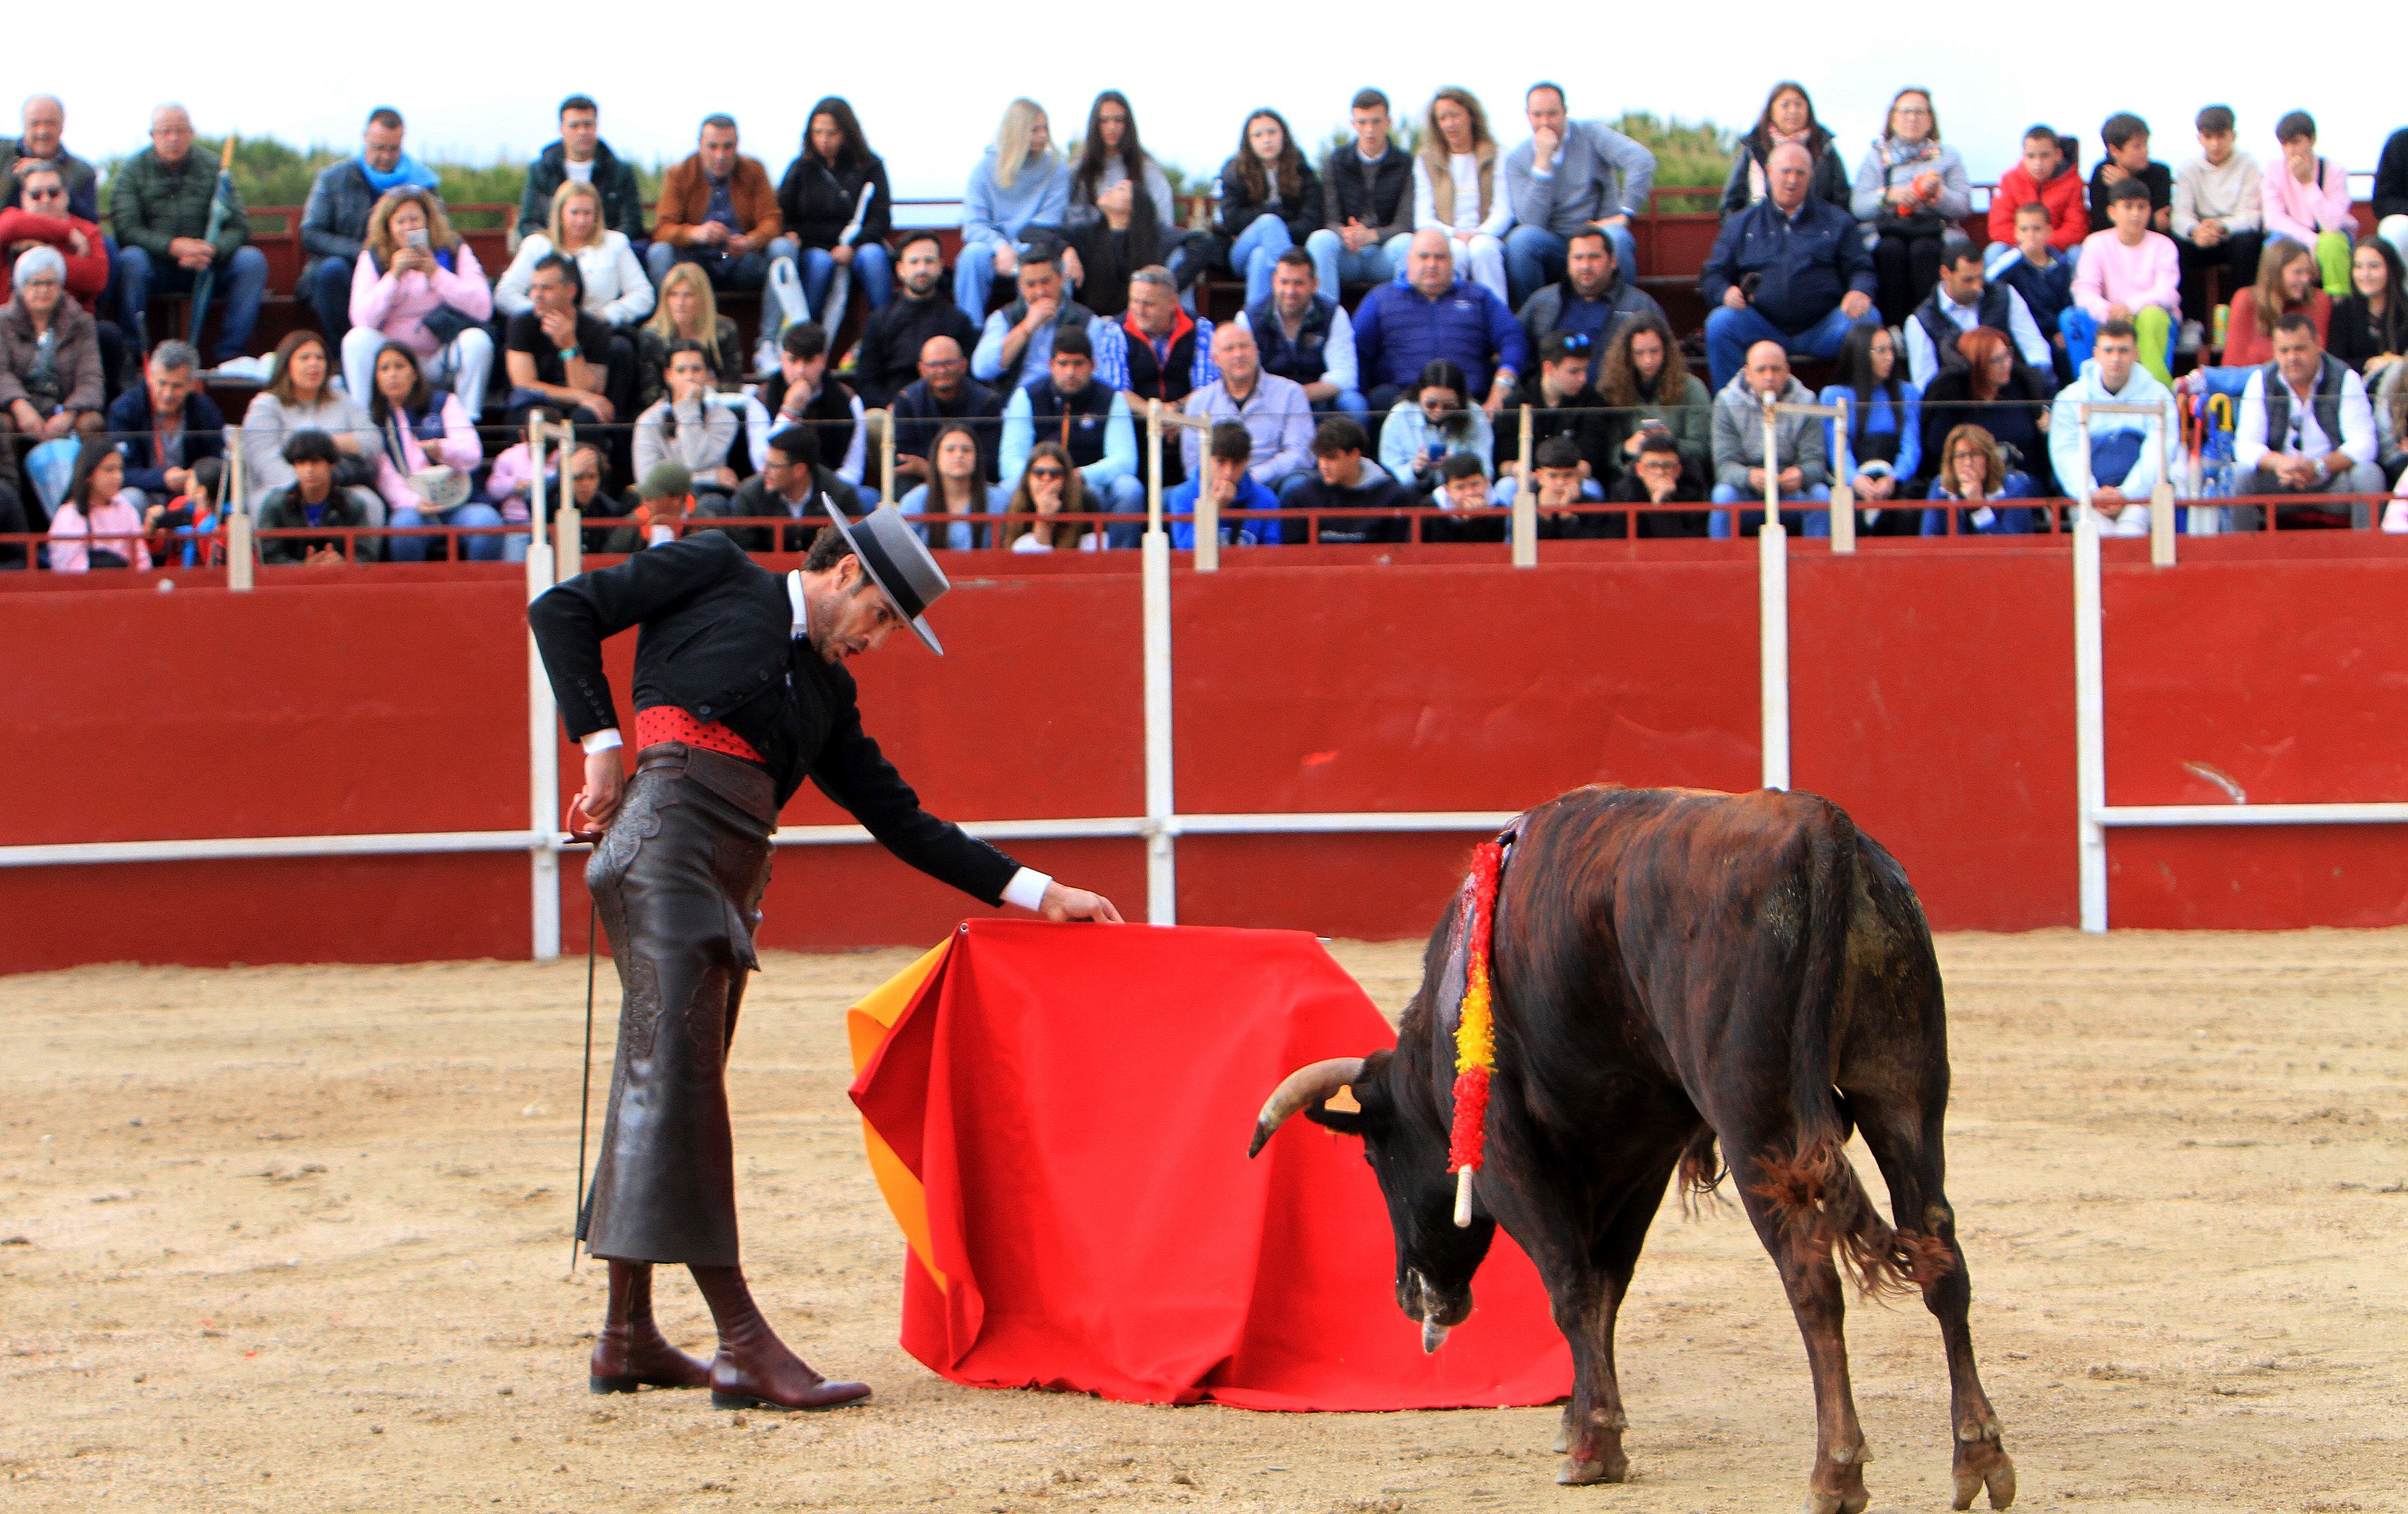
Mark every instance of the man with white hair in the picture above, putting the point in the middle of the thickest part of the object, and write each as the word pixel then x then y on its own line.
pixel 159 203
pixel 45 121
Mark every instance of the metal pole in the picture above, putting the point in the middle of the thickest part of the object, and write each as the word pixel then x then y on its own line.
pixel 1526 503
pixel 2082 486
pixel 1772 635
pixel 2089 720
pixel 2161 501
pixel 543 752
pixel 240 558
pixel 1772 465
pixel 1161 863
pixel 1843 493
pixel 886 452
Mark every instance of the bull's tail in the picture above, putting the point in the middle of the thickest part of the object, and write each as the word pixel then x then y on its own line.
pixel 1813 1191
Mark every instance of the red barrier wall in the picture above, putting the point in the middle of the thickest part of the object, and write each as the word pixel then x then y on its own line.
pixel 1931 693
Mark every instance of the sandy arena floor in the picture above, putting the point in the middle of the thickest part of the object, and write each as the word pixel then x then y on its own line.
pixel 295 1238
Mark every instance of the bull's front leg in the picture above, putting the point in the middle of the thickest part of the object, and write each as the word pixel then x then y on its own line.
pixel 1591 1433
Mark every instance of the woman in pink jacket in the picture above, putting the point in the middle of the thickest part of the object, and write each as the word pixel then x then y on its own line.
pixel 97 525
pixel 417 283
pixel 427 448
pixel 2307 199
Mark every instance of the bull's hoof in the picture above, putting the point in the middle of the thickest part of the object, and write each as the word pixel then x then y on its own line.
pixel 1578 1472
pixel 1564 1432
pixel 1838 1487
pixel 1982 1462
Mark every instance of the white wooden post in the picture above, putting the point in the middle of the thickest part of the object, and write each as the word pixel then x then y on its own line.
pixel 1844 492
pixel 1525 502
pixel 543 754
pixel 2089 721
pixel 1161 863
pixel 1772 641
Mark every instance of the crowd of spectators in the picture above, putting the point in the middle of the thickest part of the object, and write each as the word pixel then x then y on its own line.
pixel 1398 294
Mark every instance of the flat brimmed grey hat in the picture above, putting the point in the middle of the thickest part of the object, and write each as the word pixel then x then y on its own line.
pixel 898 561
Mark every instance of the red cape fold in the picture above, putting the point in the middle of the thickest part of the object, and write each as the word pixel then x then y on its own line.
pixel 1062 1112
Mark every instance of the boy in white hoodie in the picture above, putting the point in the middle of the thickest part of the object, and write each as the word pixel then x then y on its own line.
pixel 2123 448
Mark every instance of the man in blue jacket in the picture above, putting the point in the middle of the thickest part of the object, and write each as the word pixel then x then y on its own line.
pixel 1791 269
pixel 1427 312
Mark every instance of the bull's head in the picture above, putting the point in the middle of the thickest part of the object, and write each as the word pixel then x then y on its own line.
pixel 1404 1139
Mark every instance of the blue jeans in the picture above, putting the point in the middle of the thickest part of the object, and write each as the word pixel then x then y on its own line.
pixel 240 284
pixel 1334 268
pixel 751 271
pixel 1124 496
pixel 1730 333
pixel 974 280
pixel 873 275
pixel 413 549
pixel 1815 523
pixel 1534 258
pixel 1254 254
pixel 326 288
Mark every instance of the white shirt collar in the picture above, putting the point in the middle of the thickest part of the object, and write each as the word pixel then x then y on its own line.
pixel 795 597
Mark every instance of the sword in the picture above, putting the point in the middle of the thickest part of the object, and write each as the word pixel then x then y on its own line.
pixel 585 1083
pixel 586 1079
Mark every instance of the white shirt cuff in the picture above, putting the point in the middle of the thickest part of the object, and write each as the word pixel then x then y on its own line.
pixel 601 741
pixel 1028 889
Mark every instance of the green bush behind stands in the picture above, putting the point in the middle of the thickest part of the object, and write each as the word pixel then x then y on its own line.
pixel 269 172
pixel 1688 155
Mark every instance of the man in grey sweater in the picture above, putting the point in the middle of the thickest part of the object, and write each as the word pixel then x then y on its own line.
pixel 1804 467
pixel 1568 176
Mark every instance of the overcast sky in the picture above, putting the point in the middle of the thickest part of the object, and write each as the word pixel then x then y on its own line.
pixel 930 97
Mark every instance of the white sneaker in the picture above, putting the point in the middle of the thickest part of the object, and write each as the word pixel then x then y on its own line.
pixel 764 357
pixel 2192 339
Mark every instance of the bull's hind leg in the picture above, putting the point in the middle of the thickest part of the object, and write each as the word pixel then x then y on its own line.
pixel 1588 1302
pixel 1811 1279
pixel 1907 1145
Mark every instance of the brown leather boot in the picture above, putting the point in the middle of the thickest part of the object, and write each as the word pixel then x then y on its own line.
pixel 631 1352
pixel 753 1368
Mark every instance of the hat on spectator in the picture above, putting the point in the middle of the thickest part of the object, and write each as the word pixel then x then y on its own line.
pixel 898 561
pixel 667 480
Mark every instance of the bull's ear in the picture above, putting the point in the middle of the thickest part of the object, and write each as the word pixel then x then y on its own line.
pixel 1345 1122
pixel 1354 1109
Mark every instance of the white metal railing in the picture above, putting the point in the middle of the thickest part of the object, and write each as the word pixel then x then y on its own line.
pixel 2095 816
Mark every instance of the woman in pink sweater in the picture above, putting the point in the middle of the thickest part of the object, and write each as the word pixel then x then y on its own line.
pixel 2307 199
pixel 97 525
pixel 2128 273
pixel 417 283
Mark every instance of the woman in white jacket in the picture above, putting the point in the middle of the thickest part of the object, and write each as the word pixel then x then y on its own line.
pixel 616 289
pixel 1457 188
pixel 687 427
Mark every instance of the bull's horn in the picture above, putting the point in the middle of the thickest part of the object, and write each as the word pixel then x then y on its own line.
pixel 1304 1087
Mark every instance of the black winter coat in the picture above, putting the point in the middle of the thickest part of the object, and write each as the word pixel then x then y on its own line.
pixel 818 201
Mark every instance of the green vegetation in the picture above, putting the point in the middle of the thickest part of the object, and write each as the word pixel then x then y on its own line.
pixel 269 172
pixel 1687 153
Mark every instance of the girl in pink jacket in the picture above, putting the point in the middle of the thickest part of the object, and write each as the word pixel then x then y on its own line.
pixel 2307 199
pixel 417 283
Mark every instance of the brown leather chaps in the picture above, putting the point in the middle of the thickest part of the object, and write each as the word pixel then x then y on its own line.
pixel 677 879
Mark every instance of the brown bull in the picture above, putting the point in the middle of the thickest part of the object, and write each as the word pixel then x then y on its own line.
pixel 1675 969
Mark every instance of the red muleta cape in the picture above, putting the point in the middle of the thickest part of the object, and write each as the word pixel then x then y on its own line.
pixel 1058 1116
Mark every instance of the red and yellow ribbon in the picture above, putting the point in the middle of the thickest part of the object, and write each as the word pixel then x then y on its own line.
pixel 1476 1031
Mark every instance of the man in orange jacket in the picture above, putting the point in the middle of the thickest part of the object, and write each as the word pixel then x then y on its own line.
pixel 719 211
